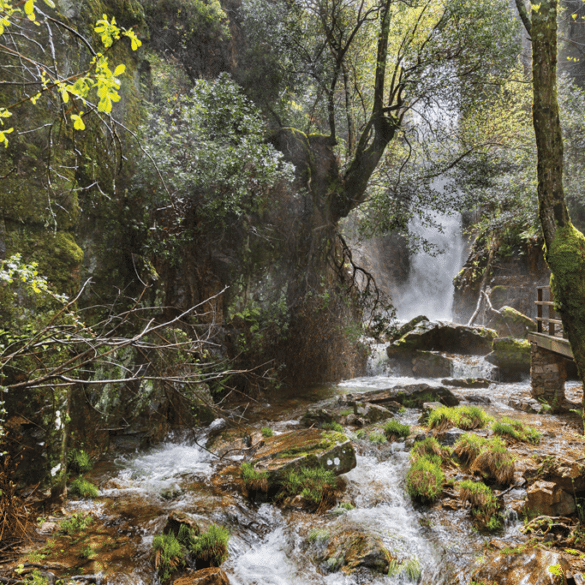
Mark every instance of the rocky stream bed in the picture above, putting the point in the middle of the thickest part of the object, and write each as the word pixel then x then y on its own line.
pixel 371 531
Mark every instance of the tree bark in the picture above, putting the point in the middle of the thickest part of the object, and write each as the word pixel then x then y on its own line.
pixel 565 245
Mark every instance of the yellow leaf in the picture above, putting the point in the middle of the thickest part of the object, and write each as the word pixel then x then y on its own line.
pixel 119 70
pixel 29 9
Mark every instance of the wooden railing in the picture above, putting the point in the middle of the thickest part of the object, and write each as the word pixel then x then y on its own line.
pixel 547 324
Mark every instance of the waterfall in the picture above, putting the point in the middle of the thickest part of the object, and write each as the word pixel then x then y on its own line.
pixel 429 288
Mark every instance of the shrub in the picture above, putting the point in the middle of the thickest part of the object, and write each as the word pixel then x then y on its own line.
pixel 82 487
pixel 424 479
pixel 312 483
pixel 212 546
pixel 333 426
pixel 169 555
pixel 254 480
pixel 429 447
pixel 267 432
pixel 393 428
pixel 483 502
pixel 462 417
pixel 495 462
pixel 468 447
pixel 516 429
pixel 79 461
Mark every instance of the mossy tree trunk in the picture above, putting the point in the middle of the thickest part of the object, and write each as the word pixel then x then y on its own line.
pixel 565 245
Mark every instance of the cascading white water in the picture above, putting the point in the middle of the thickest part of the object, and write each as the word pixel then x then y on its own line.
pixel 429 288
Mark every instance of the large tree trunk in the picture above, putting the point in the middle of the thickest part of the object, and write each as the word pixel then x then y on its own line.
pixel 565 245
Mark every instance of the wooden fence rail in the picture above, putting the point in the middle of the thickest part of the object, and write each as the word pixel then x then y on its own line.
pixel 548 324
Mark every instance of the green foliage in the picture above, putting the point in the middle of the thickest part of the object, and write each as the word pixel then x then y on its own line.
pixel 333 426
pixel 495 462
pixel 377 437
pixel 483 502
pixel 212 546
pixel 169 555
pixel 74 524
pixel 516 429
pixel 424 479
pixel 462 417
pixel 310 482
pixel 83 488
pixel 319 536
pixel 429 447
pixel 468 447
pixel 267 432
pixel 396 428
pixel 79 461
pixel 254 480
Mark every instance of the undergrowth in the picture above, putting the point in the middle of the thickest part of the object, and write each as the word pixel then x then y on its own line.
pixel 425 478
pixel 466 418
pixel 83 488
pixel 393 428
pixel 484 504
pixel 516 430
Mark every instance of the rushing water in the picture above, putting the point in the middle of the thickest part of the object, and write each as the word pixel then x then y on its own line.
pixel 269 546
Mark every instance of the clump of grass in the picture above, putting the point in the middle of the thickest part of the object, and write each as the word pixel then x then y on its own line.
pixel 319 536
pixel 332 426
pixel 82 487
pixel 254 480
pixel 360 434
pixel 466 418
pixel 495 462
pixel 516 430
pixel 468 447
pixel 484 503
pixel 377 437
pixel 212 546
pixel 393 428
pixel 312 483
pixel 410 569
pixel 424 479
pixel 169 555
pixel 75 524
pixel 79 461
pixel 267 432
pixel 429 447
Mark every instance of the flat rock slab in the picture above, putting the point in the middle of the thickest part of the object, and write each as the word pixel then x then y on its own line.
pixel 534 567
pixel 411 394
pixel 333 450
pixel 466 382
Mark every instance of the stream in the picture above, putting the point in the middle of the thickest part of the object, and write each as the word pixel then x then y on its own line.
pixel 269 546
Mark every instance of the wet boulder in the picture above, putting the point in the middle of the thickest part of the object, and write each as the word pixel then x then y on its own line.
pixel 548 499
pixel 512 357
pixel 410 395
pixel 443 336
pixel 350 551
pixel 428 364
pixel 209 576
pixel 535 566
pixel 358 415
pixel 303 448
pixel 466 382
pixel 508 322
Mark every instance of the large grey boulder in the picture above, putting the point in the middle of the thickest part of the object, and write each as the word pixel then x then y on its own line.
pixel 411 395
pixel 444 336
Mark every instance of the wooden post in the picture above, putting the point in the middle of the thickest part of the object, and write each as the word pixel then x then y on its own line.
pixel 539 300
pixel 551 313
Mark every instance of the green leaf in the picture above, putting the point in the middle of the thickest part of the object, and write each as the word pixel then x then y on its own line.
pixel 50 3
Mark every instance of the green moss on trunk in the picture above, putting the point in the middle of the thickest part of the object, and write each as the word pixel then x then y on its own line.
pixel 566 259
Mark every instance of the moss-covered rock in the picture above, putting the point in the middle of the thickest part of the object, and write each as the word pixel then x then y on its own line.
pixel 427 364
pixel 511 323
pixel 512 357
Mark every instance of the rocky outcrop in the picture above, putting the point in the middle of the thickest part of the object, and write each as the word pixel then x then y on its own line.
pixel 209 576
pixel 512 357
pixel 278 454
pixel 443 336
pixel 361 414
pixel 509 322
pixel 428 364
pixel 350 551
pixel 545 498
pixel 413 395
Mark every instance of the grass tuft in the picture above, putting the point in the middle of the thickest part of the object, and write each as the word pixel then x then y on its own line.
pixel 466 418
pixel 516 430
pixel 495 462
pixel 484 503
pixel 254 480
pixel 424 479
pixel 393 428
pixel 212 546
pixel 83 488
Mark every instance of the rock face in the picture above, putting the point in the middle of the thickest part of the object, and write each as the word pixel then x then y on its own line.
pixel 278 454
pixel 350 551
pixel 537 567
pixel 443 336
pixel 546 498
pixel 361 414
pixel 512 357
pixel 510 322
